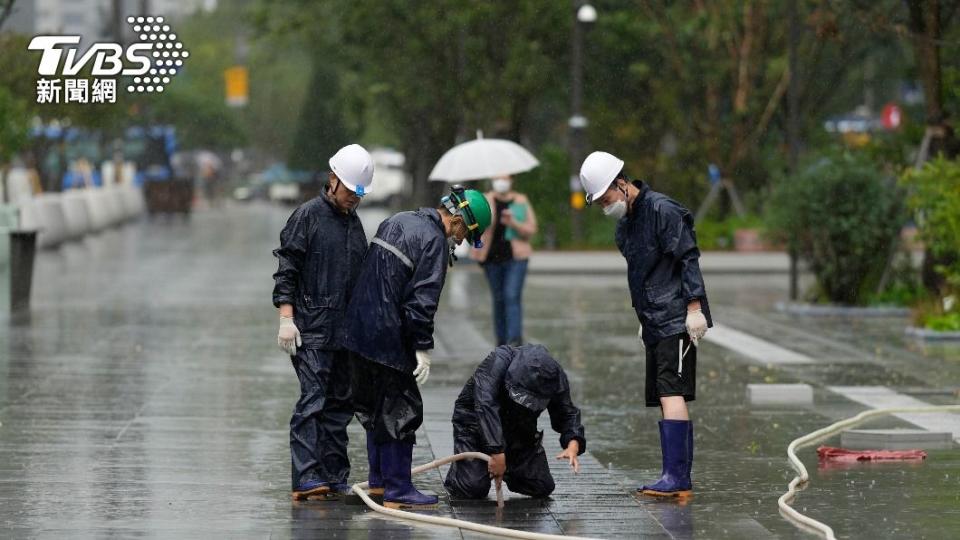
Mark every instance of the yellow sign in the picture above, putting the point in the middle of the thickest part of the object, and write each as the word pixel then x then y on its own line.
pixel 856 140
pixel 237 85
pixel 577 200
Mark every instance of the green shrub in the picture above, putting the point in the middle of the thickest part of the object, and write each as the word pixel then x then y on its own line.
pixel 842 215
pixel 902 287
pixel 898 294
pixel 714 235
pixel 948 322
pixel 934 196
pixel 719 235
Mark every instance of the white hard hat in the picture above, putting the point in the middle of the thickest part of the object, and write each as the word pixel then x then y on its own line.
pixel 598 171
pixel 354 167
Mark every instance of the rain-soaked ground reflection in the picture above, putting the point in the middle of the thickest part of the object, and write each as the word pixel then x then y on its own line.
pixel 144 396
pixel 740 466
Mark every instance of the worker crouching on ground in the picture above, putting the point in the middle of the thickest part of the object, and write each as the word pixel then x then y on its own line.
pixel 656 237
pixel 496 413
pixel 389 328
pixel 321 248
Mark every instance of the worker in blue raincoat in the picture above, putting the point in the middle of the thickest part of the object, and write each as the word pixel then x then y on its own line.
pixel 655 234
pixel 321 248
pixel 388 326
pixel 496 413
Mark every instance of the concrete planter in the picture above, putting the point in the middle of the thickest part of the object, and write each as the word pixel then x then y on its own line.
pixel 816 310
pixel 97 209
pixel 52 221
pixel 749 241
pixel 114 204
pixel 8 222
pixel 132 201
pixel 29 214
pixel 75 213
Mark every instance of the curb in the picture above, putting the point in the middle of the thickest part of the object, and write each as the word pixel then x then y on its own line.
pixel 813 310
pixel 931 335
pixel 612 271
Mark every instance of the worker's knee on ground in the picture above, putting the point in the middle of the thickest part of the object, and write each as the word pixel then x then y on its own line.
pixel 532 487
pixel 467 488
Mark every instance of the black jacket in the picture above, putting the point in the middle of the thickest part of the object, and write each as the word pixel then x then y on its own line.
pixel 663 268
pixel 319 257
pixel 508 391
pixel 390 315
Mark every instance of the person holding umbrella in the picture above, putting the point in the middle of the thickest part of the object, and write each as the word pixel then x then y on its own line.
pixel 656 237
pixel 504 257
pixel 506 245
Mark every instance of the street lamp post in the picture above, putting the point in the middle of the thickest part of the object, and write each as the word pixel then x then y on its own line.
pixel 793 125
pixel 585 15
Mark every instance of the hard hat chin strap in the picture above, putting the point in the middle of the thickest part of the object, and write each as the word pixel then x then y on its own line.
pixel 457 204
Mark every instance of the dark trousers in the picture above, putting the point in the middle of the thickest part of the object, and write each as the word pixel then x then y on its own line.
pixel 387 401
pixel 506 287
pixel 318 427
pixel 528 472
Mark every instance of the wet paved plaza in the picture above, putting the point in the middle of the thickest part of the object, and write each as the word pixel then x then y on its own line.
pixel 145 397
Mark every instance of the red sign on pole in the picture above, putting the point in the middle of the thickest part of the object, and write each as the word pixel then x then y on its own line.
pixel 891 117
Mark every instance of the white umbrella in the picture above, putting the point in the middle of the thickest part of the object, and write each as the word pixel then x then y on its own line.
pixel 483 158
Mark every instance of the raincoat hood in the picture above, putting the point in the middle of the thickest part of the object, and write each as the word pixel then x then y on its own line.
pixel 534 378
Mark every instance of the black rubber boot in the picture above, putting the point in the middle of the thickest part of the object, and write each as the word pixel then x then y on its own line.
pixel 395 461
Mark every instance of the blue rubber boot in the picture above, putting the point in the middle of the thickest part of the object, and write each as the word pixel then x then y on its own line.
pixel 676 445
pixel 374 478
pixel 395 461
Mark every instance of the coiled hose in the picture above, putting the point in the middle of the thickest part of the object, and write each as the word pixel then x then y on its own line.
pixel 802 478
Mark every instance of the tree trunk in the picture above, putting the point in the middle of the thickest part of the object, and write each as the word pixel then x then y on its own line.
pixel 925 34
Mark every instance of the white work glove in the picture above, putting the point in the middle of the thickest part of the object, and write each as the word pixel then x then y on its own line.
pixel 696 326
pixel 288 338
pixel 643 346
pixel 422 372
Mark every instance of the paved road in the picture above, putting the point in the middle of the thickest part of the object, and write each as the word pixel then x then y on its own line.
pixel 145 396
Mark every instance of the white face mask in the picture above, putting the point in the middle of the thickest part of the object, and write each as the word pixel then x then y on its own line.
pixel 502 185
pixel 616 210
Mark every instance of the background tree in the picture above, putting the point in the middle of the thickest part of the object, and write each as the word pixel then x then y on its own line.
pixel 436 71
pixel 321 129
pixel 6 9
pixel 925 26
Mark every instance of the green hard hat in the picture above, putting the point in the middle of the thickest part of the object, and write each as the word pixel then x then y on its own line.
pixel 473 207
pixel 480 209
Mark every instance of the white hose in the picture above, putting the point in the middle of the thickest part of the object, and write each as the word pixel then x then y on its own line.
pixel 360 488
pixel 806 522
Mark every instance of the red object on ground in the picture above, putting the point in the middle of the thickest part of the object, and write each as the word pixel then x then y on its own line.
pixel 829 453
